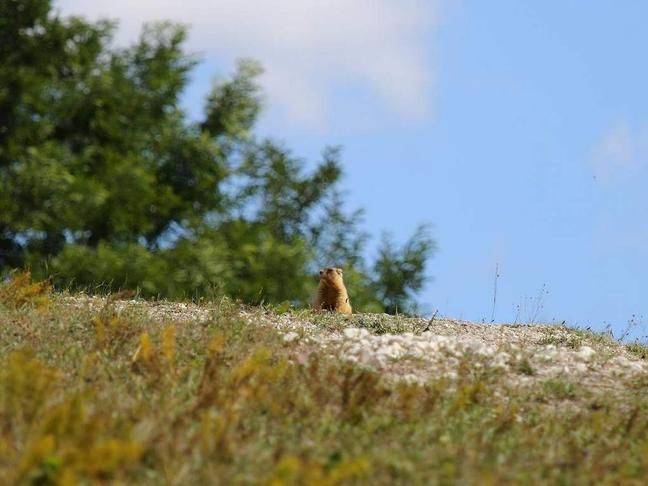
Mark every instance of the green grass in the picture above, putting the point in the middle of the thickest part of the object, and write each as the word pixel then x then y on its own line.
pixel 638 349
pixel 571 342
pixel 573 337
pixel 557 389
pixel 100 396
pixel 375 323
pixel 524 367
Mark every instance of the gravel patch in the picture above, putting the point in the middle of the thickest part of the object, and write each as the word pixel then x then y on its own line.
pixel 415 349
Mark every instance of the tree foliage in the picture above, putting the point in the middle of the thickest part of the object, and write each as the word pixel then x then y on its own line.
pixel 104 181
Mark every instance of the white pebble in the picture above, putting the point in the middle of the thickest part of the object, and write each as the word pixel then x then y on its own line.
pixel 290 337
pixel 586 353
pixel 355 333
pixel 626 363
pixel 500 360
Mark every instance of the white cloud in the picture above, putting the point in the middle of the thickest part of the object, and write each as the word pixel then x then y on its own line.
pixel 621 152
pixel 311 49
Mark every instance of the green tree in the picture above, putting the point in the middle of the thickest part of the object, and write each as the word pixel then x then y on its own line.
pixel 400 272
pixel 105 182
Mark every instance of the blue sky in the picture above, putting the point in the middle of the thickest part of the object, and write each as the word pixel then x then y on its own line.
pixel 518 129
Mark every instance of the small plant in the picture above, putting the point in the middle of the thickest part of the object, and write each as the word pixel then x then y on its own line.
pixel 638 349
pixel 524 367
pixel 112 331
pixel 19 291
pixel 25 386
pixel 567 341
pixel 559 389
pixel 530 309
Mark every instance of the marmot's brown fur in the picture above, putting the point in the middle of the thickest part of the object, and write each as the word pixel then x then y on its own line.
pixel 332 294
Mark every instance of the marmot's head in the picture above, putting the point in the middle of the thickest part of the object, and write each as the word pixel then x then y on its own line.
pixel 331 276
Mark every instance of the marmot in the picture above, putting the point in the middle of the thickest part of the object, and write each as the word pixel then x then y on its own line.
pixel 332 294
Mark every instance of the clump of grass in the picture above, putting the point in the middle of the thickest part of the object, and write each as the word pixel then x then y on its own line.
pixel 375 323
pixel 567 341
pixel 117 397
pixel 112 330
pixel 638 349
pixel 559 389
pixel 19 290
pixel 524 367
pixel 591 336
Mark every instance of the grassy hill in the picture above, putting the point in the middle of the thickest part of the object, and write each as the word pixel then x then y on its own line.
pixel 107 389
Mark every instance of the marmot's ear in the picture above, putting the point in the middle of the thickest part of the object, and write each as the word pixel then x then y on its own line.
pixel 339 271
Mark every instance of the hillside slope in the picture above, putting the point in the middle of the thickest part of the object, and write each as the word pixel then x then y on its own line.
pixel 417 349
pixel 105 389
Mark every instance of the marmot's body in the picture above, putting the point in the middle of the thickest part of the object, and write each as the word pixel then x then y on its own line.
pixel 332 294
